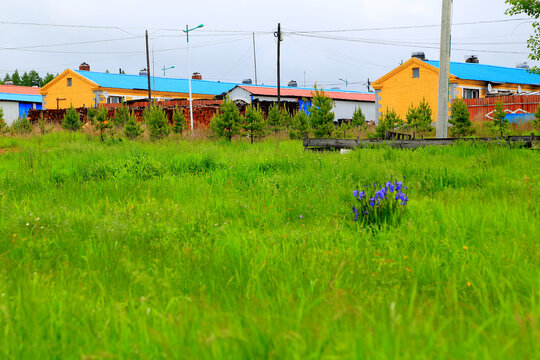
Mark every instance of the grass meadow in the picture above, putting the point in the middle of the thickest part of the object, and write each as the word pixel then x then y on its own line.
pixel 206 250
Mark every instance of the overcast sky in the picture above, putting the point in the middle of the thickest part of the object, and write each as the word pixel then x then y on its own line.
pixel 223 49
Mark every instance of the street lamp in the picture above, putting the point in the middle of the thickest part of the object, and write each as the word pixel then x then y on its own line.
pixel 345 81
pixel 166 68
pixel 189 72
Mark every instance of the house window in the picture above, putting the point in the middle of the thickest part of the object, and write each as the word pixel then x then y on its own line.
pixel 416 73
pixel 69 81
pixel 471 93
pixel 114 99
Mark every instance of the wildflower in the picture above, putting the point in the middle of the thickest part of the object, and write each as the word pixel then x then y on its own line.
pixel 27 224
pixel 14 235
pixel 37 219
pixel 132 207
pixel 465 248
pixel 301 217
pixel 468 284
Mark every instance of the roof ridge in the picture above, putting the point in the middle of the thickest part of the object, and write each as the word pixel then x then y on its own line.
pixel 82 72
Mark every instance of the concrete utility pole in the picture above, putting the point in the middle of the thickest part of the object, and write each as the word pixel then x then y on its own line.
pixel 255 59
pixel 148 70
pixel 444 70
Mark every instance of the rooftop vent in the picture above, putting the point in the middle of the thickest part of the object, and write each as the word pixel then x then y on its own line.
pixel 473 59
pixel 523 65
pixel 292 83
pixel 143 72
pixel 419 55
pixel 247 81
pixel 84 67
pixel 196 76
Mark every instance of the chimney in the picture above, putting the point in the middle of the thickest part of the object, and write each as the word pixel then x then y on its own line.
pixel 247 81
pixel 523 65
pixel 292 83
pixel 84 67
pixel 196 76
pixel 473 59
pixel 143 72
pixel 420 55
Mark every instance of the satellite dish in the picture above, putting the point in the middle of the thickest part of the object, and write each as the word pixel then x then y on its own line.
pixel 106 94
pixel 519 89
pixel 490 88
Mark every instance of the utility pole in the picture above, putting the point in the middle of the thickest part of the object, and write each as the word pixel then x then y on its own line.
pixel 255 58
pixel 444 70
pixel 278 35
pixel 148 70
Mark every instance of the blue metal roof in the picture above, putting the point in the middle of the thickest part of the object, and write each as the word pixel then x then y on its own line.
pixel 140 82
pixel 21 98
pixel 490 73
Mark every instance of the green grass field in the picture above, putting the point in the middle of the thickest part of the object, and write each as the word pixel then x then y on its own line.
pixel 205 250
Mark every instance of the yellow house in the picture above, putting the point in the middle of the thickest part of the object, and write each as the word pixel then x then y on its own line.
pixel 418 79
pixel 84 88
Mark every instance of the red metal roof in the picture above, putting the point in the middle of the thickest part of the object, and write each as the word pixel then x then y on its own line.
pixel 305 93
pixel 21 90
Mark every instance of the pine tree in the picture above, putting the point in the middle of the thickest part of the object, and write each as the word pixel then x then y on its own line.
pixel 227 122
pixel 300 126
pixel 500 122
pixel 102 122
pixel 274 119
pixel 16 78
pixel 253 123
pixel 358 118
pixel 121 115
pixel 321 115
pixel 132 129
pixel 179 121
pixel 7 78
pixel 91 115
pixel 72 120
pixel 157 121
pixel 47 79
pixel 25 80
pixel 388 121
pixel 460 119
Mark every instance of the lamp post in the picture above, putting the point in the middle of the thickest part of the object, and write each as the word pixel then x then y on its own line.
pixel 345 81
pixel 167 68
pixel 189 72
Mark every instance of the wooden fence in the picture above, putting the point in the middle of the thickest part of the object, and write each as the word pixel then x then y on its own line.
pixel 482 109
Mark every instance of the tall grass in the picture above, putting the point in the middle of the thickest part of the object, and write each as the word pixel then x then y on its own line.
pixel 196 249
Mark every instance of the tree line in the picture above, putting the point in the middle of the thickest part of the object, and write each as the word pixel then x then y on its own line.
pixel 31 78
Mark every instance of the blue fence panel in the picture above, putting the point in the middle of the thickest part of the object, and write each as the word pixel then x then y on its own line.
pixel 519 118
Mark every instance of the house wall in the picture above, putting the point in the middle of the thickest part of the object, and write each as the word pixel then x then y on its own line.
pixel 345 109
pixel 11 111
pixel 79 94
pixel 401 90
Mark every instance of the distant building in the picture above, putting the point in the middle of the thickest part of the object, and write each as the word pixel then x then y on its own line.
pixel 345 102
pixel 15 101
pixel 418 79
pixel 84 88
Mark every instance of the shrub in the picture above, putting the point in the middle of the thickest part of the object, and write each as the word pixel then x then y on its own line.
pixel 72 120
pixel 321 115
pixel 286 119
pixel 132 129
pixel 300 127
pixel 158 124
pixel 179 121
pixel 380 205
pixel 388 121
pixel 461 119
pixel 42 123
pixel 121 115
pixel 21 126
pixel 500 122
pixel 253 122
pixel 226 123
pixel 102 121
pixel 3 125
pixel 274 119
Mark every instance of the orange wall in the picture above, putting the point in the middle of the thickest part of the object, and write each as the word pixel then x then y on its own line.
pixel 401 90
pixel 79 93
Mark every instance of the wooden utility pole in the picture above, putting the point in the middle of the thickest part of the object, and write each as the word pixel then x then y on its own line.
pixel 444 70
pixel 255 58
pixel 278 35
pixel 148 70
